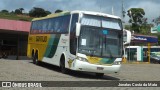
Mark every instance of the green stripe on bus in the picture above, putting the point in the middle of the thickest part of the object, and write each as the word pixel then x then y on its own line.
pixel 52 45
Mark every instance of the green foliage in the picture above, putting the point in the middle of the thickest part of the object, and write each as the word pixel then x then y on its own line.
pixel 58 11
pixel 48 12
pixel 21 9
pixel 4 11
pixel 136 18
pixel 144 28
pixel 136 15
pixel 136 27
pixel 156 20
pixel 19 15
pixel 38 12
pixel 13 16
pixel 127 27
pixel 18 11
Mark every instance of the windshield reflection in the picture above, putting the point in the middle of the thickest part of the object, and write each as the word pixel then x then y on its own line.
pixel 100 42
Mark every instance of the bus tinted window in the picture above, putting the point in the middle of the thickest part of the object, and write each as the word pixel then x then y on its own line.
pixel 51 25
pixel 100 21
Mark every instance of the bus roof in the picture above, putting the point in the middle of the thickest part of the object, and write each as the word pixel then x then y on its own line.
pixel 76 11
pixel 96 13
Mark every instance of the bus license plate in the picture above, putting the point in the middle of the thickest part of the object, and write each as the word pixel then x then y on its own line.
pixel 100 68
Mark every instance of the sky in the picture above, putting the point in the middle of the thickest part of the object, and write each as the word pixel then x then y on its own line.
pixel 151 7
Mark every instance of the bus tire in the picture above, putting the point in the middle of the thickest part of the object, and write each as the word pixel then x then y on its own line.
pixel 35 58
pixel 62 65
pixel 99 75
pixel 32 54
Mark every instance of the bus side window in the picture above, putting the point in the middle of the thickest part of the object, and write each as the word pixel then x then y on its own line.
pixel 73 39
pixel 64 24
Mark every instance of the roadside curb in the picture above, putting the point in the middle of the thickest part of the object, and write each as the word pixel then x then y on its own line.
pixel 135 63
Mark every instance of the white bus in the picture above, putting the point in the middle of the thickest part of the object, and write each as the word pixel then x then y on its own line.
pixel 78 40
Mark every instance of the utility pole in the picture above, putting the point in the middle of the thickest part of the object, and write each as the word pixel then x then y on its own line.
pixel 112 10
pixel 100 7
pixel 123 12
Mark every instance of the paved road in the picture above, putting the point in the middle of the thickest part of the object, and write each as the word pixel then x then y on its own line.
pixel 25 70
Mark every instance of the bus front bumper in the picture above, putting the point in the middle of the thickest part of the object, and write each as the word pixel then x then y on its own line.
pixel 85 66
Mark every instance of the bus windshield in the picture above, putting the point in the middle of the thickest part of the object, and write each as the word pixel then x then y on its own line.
pixel 102 42
pixel 100 36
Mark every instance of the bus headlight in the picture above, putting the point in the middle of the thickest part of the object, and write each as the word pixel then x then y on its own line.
pixel 117 63
pixel 82 59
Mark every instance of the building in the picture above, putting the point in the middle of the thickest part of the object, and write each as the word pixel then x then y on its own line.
pixel 13 38
pixel 140 48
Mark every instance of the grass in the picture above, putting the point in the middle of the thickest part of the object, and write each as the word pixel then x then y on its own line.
pixel 15 17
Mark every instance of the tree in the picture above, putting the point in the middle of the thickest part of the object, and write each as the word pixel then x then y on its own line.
pixel 136 18
pixel 4 11
pixel 12 12
pixel 38 12
pixel 21 9
pixel 18 11
pixel 48 12
pixel 156 20
pixel 58 11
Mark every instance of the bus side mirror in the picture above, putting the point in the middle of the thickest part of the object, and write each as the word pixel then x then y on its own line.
pixel 78 28
pixel 126 37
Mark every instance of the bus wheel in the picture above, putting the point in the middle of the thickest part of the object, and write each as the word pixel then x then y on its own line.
pixel 99 74
pixel 32 54
pixel 62 65
pixel 35 58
